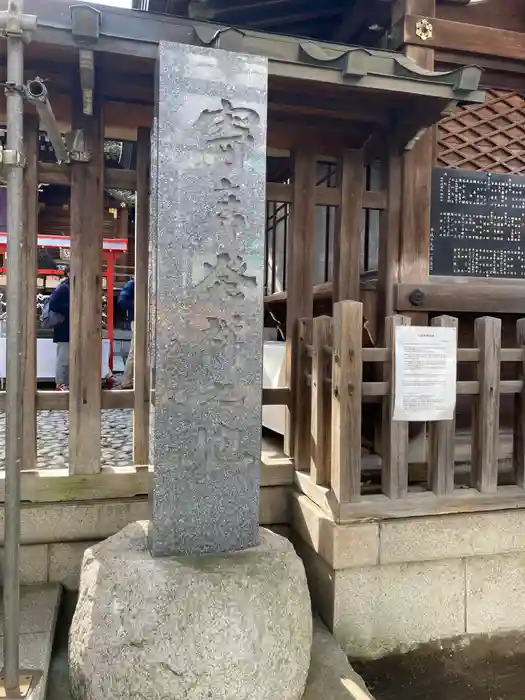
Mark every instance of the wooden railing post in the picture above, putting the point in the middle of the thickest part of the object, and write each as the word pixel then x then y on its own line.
pixel 394 470
pixel 85 348
pixel 321 407
pixel 347 380
pixel 300 277
pixel 302 394
pixel 485 415
pixel 347 239
pixel 442 435
pixel 140 339
pixel 519 413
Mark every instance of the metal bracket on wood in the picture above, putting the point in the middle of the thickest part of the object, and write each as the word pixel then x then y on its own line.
pixel 28 680
pixel 13 159
pixel 410 145
pixel 417 297
pixel 76 146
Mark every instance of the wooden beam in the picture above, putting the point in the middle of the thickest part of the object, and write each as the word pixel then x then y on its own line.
pixel 87 206
pixel 327 196
pixel 114 178
pixel 347 240
pixel 86 59
pixel 140 339
pixel 461 37
pixel 28 290
pixel 462 295
pixel 47 486
pixel 125 399
pixel 300 255
pixel 427 503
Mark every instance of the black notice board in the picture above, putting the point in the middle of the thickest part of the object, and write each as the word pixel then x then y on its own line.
pixel 477 226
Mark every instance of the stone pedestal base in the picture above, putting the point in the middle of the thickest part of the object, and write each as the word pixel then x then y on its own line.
pixel 230 627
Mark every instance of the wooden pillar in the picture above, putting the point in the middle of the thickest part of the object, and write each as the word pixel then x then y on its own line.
pixel 347 242
pixel 389 241
pixel 123 223
pixel 347 382
pixel 300 257
pixel 28 290
pixel 141 373
pixel 417 171
pixel 414 244
pixel 87 218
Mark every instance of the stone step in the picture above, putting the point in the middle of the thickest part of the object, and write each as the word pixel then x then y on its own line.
pixel 38 614
pixel 331 677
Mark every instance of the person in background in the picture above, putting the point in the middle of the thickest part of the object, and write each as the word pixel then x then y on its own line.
pixel 59 304
pixel 126 302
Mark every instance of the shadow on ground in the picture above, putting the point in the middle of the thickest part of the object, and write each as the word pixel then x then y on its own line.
pixel 58 683
pixel 482 670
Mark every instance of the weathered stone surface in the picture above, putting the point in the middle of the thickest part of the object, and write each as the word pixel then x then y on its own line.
pixel 341 546
pixel 385 609
pixel 223 627
pixel 452 536
pixel 494 584
pixel 207 299
pixel 331 677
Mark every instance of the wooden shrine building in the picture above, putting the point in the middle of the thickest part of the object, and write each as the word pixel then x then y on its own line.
pixel 374 109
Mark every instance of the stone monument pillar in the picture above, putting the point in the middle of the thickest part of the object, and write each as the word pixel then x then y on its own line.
pixel 200 603
pixel 208 300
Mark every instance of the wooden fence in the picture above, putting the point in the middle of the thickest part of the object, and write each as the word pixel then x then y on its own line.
pixel 85 477
pixel 331 395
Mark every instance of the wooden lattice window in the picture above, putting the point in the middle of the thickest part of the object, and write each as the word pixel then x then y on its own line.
pixel 485 137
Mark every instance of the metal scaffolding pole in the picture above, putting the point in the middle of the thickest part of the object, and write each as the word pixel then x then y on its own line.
pixel 14 25
pixel 15 198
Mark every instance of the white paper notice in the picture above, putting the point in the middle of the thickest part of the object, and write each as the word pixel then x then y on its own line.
pixel 425 373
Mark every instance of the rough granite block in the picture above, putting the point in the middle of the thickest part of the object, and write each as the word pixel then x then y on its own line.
pixel 341 546
pixel 68 522
pixel 452 536
pixel 331 677
pixel 33 564
pixel 384 609
pixel 65 559
pixel 495 591
pixel 207 299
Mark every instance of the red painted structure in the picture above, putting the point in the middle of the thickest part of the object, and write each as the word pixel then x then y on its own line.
pixel 112 248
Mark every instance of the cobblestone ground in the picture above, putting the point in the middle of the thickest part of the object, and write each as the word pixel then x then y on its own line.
pixel 53 430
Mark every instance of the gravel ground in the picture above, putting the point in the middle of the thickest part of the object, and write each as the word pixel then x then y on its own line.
pixel 53 430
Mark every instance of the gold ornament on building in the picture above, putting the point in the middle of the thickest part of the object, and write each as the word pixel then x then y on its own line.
pixel 424 30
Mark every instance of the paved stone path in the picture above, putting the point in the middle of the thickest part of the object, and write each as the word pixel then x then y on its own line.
pixel 52 432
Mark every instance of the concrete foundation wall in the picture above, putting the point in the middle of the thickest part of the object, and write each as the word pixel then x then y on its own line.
pixel 390 586
pixel 55 535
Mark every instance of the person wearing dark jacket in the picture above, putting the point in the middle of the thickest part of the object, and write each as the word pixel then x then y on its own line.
pixel 59 303
pixel 126 301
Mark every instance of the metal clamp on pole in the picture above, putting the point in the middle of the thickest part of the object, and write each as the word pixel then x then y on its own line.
pixel 36 94
pixel 16 27
pixel 68 149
